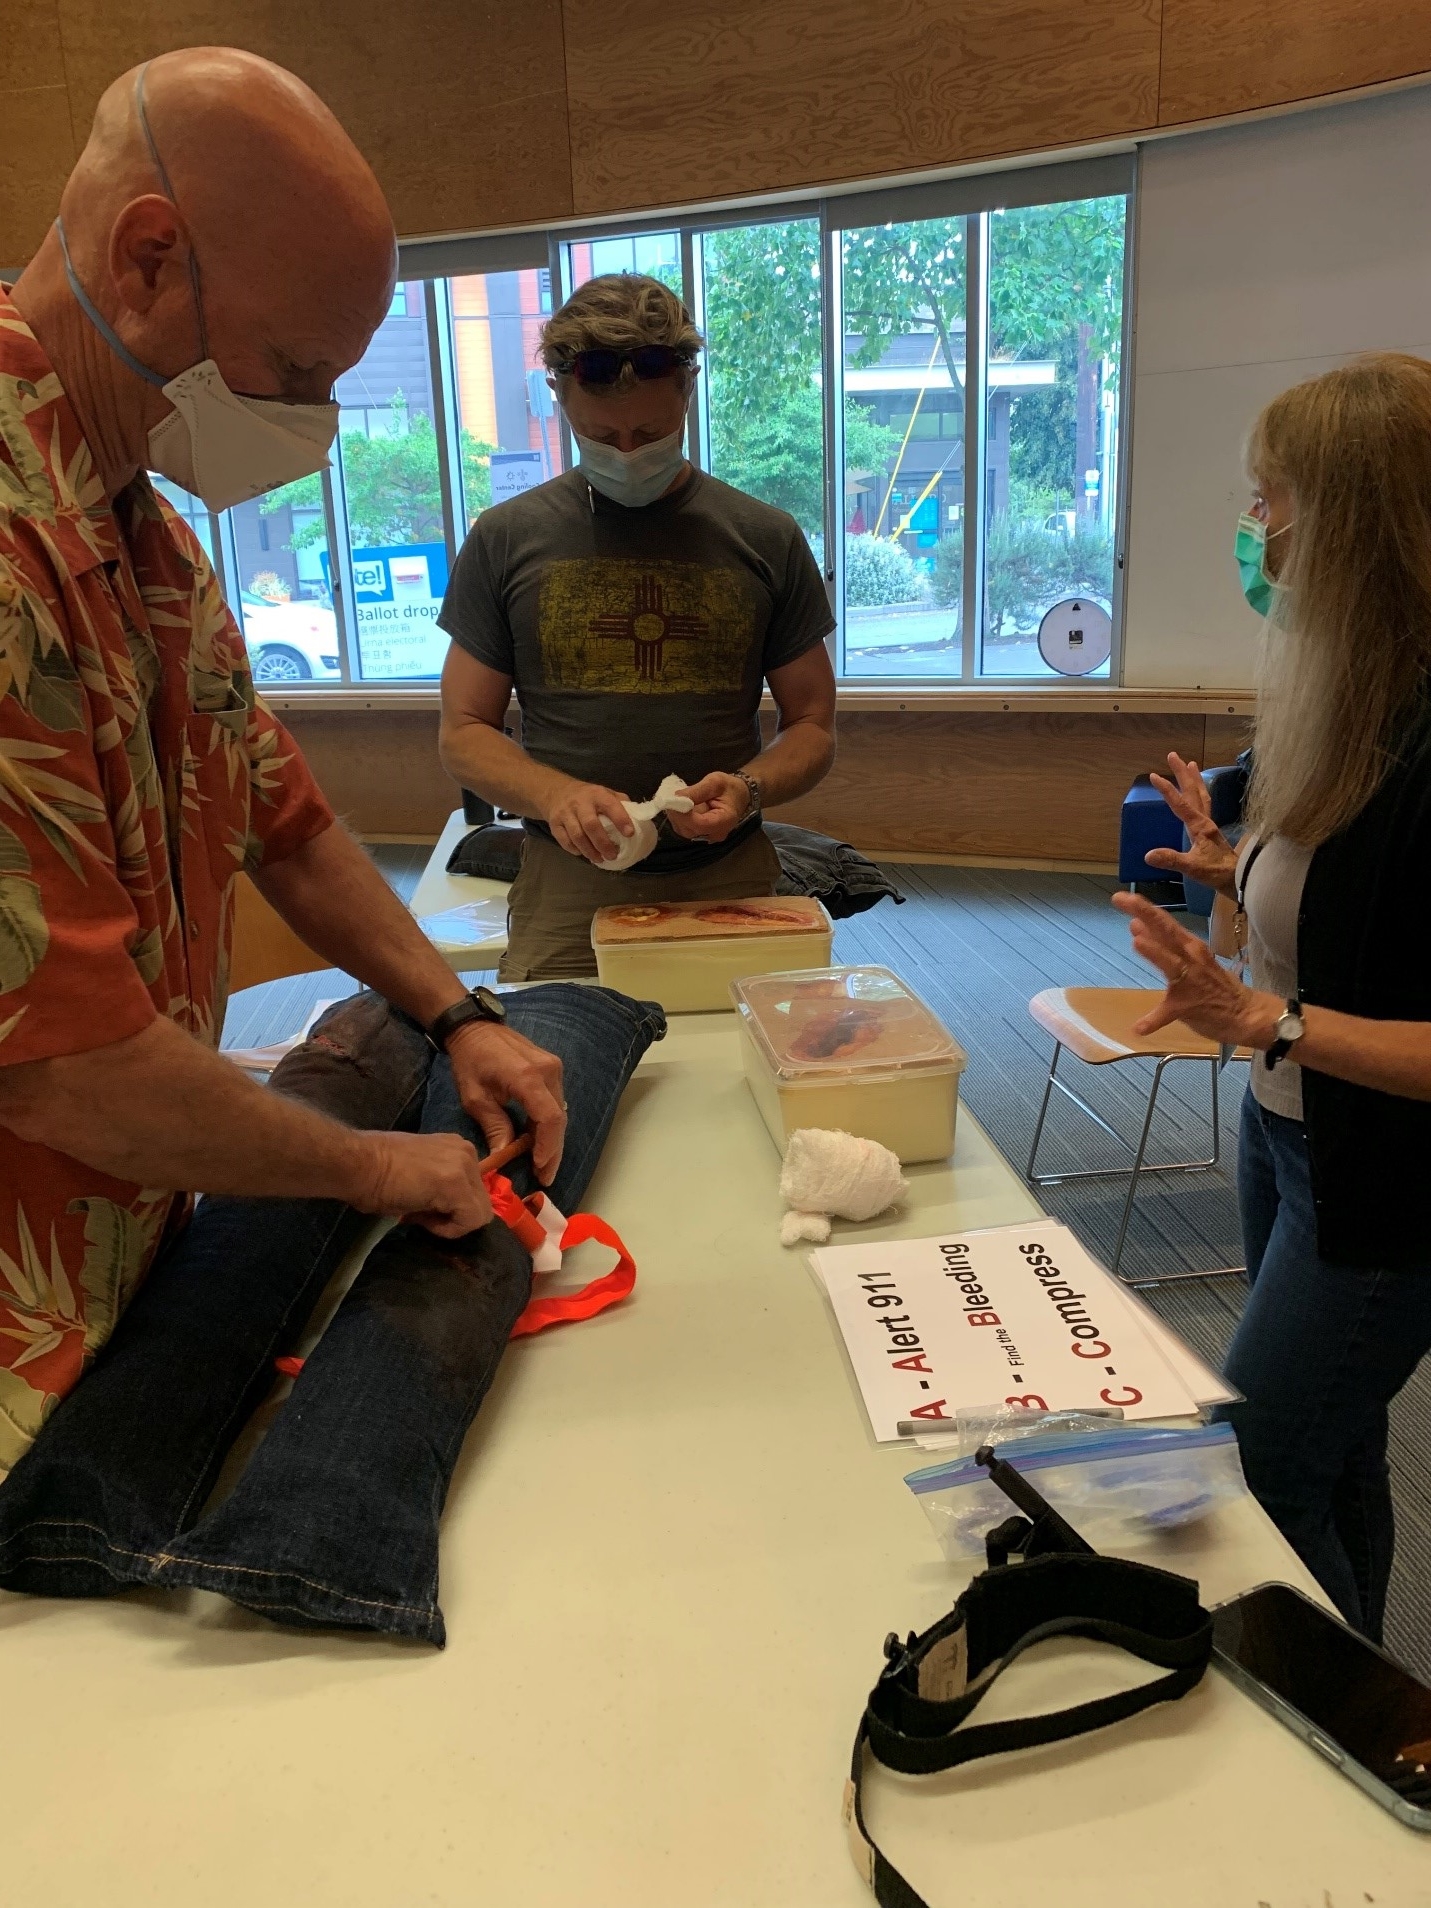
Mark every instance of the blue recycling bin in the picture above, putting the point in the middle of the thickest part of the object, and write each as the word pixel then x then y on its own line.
pixel 1147 822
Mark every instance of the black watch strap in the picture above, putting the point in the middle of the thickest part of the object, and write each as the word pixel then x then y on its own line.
pixel 1281 1047
pixel 480 1004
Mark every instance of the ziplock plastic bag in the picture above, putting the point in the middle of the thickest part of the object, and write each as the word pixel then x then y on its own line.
pixel 974 1425
pixel 1112 1485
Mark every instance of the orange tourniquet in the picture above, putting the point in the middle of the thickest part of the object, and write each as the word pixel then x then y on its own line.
pixel 546 1234
pixel 525 1219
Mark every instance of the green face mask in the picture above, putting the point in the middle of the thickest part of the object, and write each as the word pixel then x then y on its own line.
pixel 1251 552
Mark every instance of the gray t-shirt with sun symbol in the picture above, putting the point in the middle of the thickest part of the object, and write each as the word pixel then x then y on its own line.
pixel 638 640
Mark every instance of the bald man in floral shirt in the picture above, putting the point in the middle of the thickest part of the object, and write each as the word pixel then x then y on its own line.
pixel 220 236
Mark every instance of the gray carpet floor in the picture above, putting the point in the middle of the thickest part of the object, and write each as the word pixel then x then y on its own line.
pixel 978 944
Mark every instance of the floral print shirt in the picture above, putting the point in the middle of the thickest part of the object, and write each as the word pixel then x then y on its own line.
pixel 138 775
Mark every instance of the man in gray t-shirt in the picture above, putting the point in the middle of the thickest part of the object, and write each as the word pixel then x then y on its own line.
pixel 638 606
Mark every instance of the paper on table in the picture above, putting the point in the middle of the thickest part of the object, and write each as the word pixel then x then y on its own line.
pixel 1207 1385
pixel 475 924
pixel 1200 1380
pixel 1018 1313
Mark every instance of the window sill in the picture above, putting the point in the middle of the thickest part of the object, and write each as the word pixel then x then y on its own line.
pixel 1103 699
pixel 358 697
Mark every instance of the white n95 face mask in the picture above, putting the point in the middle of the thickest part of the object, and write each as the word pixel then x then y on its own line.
pixel 223 448
pixel 227 449
pixel 636 477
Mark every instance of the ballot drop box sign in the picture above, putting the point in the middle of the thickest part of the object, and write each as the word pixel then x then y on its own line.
pixel 1017 1315
pixel 397 593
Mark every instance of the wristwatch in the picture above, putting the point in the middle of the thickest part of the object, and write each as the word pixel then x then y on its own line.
pixel 752 789
pixel 1289 1030
pixel 480 1004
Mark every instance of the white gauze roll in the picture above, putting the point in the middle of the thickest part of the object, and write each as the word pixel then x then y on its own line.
pixel 634 848
pixel 833 1173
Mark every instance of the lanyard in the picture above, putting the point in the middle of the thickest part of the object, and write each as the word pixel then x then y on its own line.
pixel 1239 920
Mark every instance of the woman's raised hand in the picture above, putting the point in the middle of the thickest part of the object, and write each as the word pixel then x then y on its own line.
pixel 1187 794
pixel 1210 857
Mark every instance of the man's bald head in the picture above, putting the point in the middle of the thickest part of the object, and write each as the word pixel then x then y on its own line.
pixel 265 192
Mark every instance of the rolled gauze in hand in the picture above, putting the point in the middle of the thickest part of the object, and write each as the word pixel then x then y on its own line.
pixel 832 1173
pixel 634 848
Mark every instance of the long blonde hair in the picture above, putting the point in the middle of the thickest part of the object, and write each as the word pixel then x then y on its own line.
pixel 1347 650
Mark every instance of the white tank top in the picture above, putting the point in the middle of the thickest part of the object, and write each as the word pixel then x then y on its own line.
pixel 1273 898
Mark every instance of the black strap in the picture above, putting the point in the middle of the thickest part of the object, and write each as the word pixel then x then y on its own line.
pixel 932 1682
pixel 1241 879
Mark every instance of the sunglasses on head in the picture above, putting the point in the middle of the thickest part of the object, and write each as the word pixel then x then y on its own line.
pixel 605 367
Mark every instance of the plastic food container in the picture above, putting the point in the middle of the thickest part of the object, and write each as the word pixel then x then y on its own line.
pixel 685 954
pixel 851 1048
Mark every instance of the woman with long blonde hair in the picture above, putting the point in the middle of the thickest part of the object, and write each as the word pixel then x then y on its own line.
pixel 1331 882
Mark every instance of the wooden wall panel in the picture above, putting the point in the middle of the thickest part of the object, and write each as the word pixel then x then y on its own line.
pixel 1028 786
pixel 1021 786
pixel 1226 738
pixel 378 768
pixel 32 45
pixel 733 96
pixel 1220 59
pixel 35 161
pixel 460 105
pixel 38 149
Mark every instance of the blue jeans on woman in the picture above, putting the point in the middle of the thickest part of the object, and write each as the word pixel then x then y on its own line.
pixel 334 1520
pixel 1320 1352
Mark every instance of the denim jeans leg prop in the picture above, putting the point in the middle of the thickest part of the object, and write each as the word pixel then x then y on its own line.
pixel 1319 1353
pixel 335 1520
pixel 598 1035
pixel 128 1458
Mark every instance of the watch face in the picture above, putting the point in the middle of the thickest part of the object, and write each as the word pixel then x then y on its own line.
pixel 491 1003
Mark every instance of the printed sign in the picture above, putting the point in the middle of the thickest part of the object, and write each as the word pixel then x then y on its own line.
pixel 1014 1315
pixel 398 592
pixel 515 471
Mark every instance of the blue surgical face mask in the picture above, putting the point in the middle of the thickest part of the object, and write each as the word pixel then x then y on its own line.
pixel 634 478
pixel 1251 552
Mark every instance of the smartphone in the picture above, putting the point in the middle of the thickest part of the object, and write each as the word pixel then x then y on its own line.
pixel 1369 1717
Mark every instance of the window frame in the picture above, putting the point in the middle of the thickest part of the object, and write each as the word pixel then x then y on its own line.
pixel 971 196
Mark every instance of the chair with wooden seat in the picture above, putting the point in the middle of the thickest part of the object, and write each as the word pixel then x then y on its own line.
pixel 1096 1024
pixel 265 948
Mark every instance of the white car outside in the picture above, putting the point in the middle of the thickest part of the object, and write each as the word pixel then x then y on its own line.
pixel 290 642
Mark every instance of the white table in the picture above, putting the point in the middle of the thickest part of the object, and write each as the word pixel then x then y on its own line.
pixel 670 1557
pixel 437 891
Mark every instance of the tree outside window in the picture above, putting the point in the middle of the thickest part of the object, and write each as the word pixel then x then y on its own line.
pixel 391 482
pixel 762 318
pixel 1049 436
pixel 1056 295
